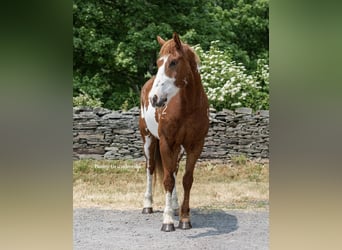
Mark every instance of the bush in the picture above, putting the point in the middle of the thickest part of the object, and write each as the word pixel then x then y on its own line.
pixel 83 99
pixel 132 100
pixel 227 83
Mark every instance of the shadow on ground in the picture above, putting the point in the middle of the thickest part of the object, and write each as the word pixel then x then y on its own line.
pixel 96 228
pixel 216 222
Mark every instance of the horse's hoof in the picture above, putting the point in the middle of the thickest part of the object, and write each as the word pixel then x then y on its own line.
pixel 147 210
pixel 184 225
pixel 176 212
pixel 168 228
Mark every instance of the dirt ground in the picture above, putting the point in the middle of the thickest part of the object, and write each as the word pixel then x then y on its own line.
pixel 96 228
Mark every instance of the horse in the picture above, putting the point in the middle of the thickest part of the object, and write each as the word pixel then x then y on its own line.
pixel 174 118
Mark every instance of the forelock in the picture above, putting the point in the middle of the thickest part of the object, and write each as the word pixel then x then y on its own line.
pixel 168 48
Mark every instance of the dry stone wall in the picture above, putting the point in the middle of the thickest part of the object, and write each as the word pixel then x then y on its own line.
pixel 100 133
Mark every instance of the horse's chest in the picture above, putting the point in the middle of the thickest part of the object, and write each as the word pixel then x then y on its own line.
pixel 150 117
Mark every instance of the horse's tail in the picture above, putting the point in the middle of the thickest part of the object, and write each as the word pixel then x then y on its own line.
pixel 158 170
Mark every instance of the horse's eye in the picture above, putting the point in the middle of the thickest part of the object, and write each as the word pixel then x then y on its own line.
pixel 173 63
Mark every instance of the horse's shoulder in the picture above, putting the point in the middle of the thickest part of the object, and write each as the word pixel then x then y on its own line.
pixel 147 86
pixel 150 81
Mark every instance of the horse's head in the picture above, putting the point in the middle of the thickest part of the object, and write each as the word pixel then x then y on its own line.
pixel 176 63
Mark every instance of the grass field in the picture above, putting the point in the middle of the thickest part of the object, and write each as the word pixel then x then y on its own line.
pixel 239 184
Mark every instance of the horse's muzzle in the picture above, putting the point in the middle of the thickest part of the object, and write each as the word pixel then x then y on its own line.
pixel 158 102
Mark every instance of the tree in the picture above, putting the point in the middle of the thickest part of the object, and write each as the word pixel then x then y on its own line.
pixel 115 45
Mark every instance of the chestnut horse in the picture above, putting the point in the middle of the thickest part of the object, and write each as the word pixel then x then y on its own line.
pixel 173 119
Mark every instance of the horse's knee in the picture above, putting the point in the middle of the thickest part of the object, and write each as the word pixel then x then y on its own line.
pixel 169 182
pixel 187 180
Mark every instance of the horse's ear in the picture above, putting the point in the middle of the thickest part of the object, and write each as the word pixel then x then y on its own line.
pixel 160 40
pixel 177 41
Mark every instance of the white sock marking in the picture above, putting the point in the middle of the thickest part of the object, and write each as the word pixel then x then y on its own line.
pixel 168 213
pixel 148 199
pixel 148 194
pixel 174 198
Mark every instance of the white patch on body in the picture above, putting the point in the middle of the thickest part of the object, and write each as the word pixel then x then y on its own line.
pixel 142 111
pixel 148 200
pixel 147 145
pixel 168 212
pixel 163 86
pixel 150 120
pixel 181 151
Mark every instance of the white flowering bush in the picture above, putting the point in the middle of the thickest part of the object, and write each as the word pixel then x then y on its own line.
pixel 261 97
pixel 227 83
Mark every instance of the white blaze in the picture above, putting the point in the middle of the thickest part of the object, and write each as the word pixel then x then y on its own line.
pixel 163 86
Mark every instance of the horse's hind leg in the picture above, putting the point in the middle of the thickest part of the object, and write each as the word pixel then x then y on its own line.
pixel 174 198
pixel 149 149
pixel 192 156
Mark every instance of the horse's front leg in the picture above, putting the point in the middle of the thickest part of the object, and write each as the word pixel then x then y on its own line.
pixel 170 202
pixel 192 156
pixel 169 159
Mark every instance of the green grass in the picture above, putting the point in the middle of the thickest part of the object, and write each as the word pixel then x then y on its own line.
pixel 239 159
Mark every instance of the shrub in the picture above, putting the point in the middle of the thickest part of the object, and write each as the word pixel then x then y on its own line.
pixel 227 83
pixel 132 100
pixel 83 99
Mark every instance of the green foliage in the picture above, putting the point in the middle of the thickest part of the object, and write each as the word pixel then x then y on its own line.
pixel 115 45
pixel 249 24
pixel 228 84
pixel 83 99
pixel 132 100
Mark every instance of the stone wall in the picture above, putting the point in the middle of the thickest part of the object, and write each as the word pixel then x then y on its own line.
pixel 100 133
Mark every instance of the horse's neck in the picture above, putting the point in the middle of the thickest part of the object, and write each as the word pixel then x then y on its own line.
pixel 194 97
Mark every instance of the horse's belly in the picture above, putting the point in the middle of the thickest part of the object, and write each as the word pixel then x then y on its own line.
pixel 149 114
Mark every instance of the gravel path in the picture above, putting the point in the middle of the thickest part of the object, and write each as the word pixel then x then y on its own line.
pixel 212 229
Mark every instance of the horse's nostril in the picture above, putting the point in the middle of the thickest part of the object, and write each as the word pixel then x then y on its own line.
pixel 158 102
pixel 154 98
